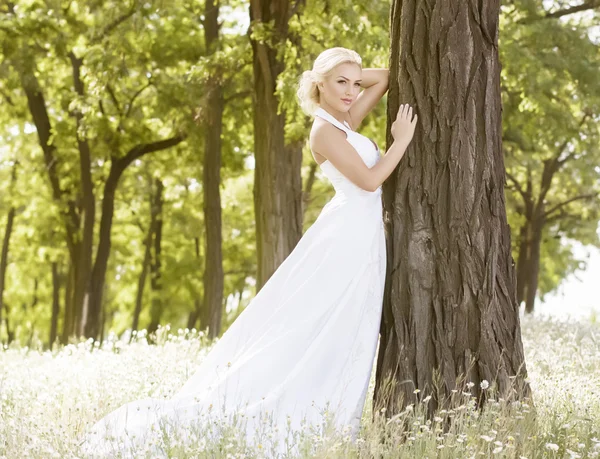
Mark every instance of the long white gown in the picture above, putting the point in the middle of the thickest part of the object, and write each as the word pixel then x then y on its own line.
pixel 305 343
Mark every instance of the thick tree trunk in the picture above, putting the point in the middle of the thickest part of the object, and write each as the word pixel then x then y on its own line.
pixel 87 206
pixel 156 302
pixel 213 123
pixel 277 179
pixel 450 311
pixel 55 305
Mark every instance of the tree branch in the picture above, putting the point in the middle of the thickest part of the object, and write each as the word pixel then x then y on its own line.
pixel 114 98
pixel 143 149
pixel 588 5
pixel 568 201
pixel 517 186
pixel 113 25
pixel 135 96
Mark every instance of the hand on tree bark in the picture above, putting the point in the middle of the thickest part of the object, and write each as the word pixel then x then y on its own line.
pixel 403 126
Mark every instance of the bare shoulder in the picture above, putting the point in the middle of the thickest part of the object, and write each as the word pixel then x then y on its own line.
pixel 322 134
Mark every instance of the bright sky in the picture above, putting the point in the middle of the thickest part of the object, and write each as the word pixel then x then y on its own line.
pixel 577 298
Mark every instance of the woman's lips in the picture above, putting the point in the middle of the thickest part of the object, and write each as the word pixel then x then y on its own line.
pixel 347 101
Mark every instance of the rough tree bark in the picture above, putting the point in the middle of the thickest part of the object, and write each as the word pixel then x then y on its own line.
pixel 450 308
pixel 277 178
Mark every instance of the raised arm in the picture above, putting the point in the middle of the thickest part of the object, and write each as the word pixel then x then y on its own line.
pixel 330 142
pixel 375 84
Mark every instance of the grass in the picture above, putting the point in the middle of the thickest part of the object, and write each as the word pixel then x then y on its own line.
pixel 47 399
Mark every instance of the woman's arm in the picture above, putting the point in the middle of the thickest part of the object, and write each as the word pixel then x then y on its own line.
pixel 331 142
pixel 375 82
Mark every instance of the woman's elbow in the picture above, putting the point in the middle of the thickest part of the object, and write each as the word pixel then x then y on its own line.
pixel 370 186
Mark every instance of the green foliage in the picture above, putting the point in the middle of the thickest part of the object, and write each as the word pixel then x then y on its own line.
pixel 551 111
pixel 144 69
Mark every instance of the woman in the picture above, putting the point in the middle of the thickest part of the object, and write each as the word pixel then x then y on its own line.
pixel 300 355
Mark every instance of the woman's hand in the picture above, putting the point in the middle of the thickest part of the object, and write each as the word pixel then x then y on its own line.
pixel 403 126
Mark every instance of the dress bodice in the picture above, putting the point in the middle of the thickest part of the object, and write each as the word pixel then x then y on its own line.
pixel 366 149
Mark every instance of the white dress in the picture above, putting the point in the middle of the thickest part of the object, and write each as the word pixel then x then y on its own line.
pixel 305 343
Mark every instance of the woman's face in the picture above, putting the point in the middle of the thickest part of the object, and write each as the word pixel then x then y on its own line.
pixel 341 87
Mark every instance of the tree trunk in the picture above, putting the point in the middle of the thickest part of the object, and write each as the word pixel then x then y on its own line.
pixel 31 312
pixel 69 318
pixel 533 272
pixel 213 123
pixel 92 314
pixel 4 260
pixel 10 218
pixel 277 179
pixel 450 312
pixel 55 305
pixel 310 181
pixel 144 273
pixel 87 207
pixel 523 262
pixel 69 213
pixel 199 311
pixel 156 303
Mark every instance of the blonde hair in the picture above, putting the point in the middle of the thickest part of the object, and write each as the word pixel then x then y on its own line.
pixel 308 93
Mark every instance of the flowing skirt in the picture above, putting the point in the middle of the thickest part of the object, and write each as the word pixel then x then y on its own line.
pixel 303 349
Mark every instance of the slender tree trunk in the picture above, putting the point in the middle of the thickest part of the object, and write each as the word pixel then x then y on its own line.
pixel 69 317
pixel 523 262
pixel 10 218
pixel 277 179
pixel 55 305
pixel 156 303
pixel 534 264
pixel 199 311
pixel 93 308
pixel 310 181
pixel 213 121
pixel 69 213
pixel 450 311
pixel 4 260
pixel 31 311
pixel 144 273
pixel 10 334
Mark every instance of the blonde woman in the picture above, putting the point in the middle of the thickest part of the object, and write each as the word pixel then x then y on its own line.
pixel 300 356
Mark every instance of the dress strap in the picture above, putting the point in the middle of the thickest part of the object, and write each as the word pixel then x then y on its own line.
pixel 321 112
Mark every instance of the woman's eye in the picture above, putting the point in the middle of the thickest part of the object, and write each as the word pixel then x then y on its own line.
pixel 356 84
